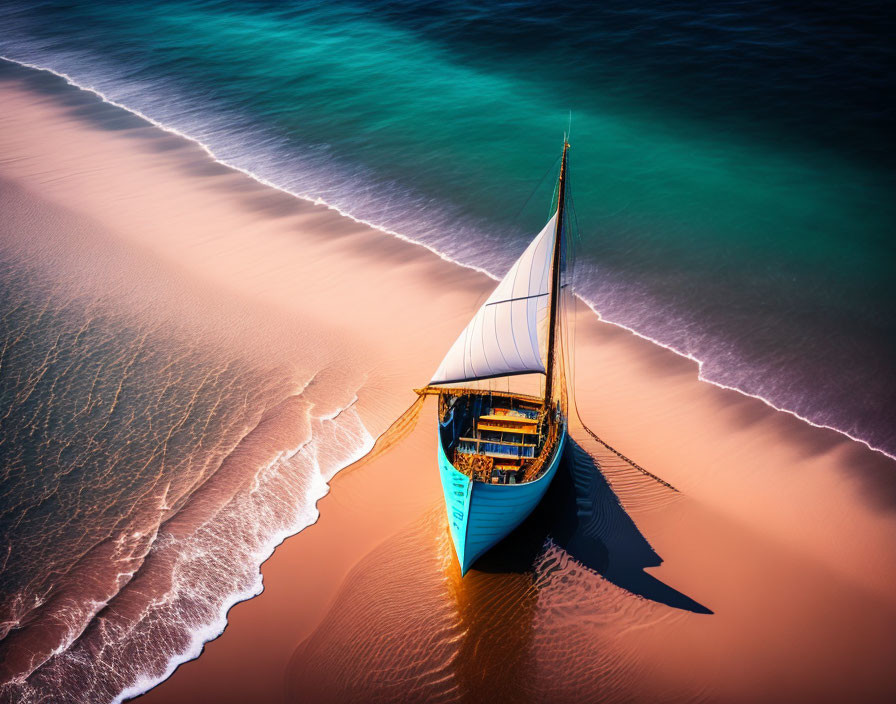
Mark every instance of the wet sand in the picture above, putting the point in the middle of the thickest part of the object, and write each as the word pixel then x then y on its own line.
pixel 768 575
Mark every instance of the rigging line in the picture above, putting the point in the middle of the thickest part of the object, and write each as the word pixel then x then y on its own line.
pixel 616 452
pixel 400 428
pixel 516 219
pixel 570 300
pixel 568 340
pixel 575 215
pixel 630 462
pixel 535 190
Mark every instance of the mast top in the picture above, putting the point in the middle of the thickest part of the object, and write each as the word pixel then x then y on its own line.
pixel 507 334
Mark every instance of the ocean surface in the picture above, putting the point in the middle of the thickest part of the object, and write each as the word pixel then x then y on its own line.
pixel 732 170
pixel 732 165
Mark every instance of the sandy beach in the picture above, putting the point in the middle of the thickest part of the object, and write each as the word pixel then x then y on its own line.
pixel 767 576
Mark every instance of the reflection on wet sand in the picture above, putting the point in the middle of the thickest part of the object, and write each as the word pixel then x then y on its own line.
pixel 406 626
pixel 496 612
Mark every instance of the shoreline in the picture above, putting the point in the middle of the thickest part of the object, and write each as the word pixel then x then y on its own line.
pixel 354 491
pixel 741 466
pixel 69 80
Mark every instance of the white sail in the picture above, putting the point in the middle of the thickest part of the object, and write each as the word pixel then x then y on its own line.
pixel 508 333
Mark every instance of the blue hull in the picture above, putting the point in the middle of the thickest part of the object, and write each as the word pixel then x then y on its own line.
pixel 481 515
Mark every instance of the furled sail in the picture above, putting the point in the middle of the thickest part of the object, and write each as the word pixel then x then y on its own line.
pixel 508 333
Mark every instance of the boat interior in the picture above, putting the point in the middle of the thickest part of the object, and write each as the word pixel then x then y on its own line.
pixel 495 438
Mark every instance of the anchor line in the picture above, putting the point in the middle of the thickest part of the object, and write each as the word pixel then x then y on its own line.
pixel 625 459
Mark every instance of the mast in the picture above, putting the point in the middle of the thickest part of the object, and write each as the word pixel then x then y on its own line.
pixel 555 281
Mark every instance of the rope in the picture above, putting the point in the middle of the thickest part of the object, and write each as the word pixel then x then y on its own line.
pixel 516 217
pixel 625 459
pixel 576 242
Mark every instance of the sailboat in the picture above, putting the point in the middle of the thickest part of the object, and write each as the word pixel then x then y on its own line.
pixel 499 450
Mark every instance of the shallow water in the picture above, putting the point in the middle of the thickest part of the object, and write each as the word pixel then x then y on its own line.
pixel 151 461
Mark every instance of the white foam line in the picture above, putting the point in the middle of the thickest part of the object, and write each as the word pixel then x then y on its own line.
pixel 701 377
pixel 318 201
pixel 212 631
pixel 256 177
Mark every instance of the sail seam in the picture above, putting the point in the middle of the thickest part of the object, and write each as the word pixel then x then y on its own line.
pixel 516 347
pixel 518 298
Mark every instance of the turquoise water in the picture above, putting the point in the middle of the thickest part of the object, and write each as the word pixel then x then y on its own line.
pixel 732 169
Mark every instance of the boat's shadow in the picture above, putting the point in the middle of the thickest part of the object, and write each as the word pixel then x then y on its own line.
pixel 582 515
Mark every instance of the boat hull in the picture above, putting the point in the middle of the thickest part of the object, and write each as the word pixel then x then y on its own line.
pixel 481 515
